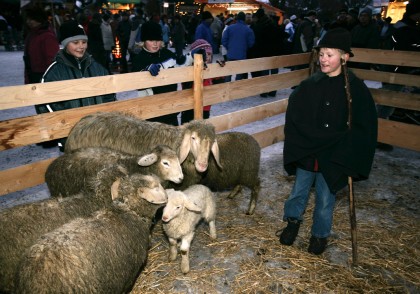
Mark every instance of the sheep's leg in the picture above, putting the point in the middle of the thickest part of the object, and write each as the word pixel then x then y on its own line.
pixel 185 250
pixel 235 191
pixel 212 225
pixel 173 251
pixel 254 197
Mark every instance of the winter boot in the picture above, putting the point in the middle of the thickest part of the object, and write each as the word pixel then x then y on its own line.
pixel 317 245
pixel 289 234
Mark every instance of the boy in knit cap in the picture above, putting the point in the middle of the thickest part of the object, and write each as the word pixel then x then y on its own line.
pixel 73 62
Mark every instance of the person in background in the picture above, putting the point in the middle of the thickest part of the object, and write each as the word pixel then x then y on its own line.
pixel 365 35
pixel 96 46
pixel 41 46
pixel 204 31
pixel 123 35
pixel 326 140
pixel 229 21
pixel 266 41
pixel 217 28
pixel 199 46
pixel 290 31
pixel 166 31
pixel 238 38
pixel 178 35
pixel 406 37
pixel 305 34
pixel 73 62
pixel 108 39
pixel 153 57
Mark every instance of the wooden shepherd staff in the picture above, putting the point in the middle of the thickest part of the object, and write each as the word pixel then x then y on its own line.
pixel 352 208
pixel 353 224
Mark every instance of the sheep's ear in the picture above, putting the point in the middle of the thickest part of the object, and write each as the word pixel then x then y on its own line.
pixel 147 159
pixel 185 147
pixel 216 153
pixel 114 189
pixel 191 205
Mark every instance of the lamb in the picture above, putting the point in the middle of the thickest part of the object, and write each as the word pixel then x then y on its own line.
pixel 103 253
pixel 197 138
pixel 70 173
pixel 240 156
pixel 22 225
pixel 182 214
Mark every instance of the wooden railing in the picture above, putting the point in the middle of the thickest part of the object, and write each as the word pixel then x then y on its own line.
pixel 44 127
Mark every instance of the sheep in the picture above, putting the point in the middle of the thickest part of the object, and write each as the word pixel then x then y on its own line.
pixel 135 136
pixel 22 225
pixel 240 156
pixel 70 173
pixel 103 253
pixel 182 214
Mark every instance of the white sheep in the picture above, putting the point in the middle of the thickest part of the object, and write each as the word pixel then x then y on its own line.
pixel 103 253
pixel 70 173
pixel 182 214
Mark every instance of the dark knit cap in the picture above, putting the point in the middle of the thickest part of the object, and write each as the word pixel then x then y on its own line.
pixel 240 16
pixel 71 31
pixel 151 31
pixel 338 38
pixel 36 13
pixel 206 15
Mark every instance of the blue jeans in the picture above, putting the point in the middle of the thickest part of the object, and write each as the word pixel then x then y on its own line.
pixel 295 205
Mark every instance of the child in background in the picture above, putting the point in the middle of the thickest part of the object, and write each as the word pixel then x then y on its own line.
pixel 152 57
pixel 200 46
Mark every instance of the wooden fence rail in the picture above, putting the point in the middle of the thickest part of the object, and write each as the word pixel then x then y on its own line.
pixel 24 131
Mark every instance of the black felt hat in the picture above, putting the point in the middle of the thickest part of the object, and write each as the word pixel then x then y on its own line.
pixel 151 31
pixel 338 38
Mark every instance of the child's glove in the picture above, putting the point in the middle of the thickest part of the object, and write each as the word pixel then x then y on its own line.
pixel 153 69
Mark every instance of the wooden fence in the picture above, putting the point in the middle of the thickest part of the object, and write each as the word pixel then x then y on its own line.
pixel 44 127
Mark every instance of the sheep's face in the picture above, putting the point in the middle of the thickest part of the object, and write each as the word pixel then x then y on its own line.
pixel 168 166
pixel 200 140
pixel 153 192
pixel 134 188
pixel 177 203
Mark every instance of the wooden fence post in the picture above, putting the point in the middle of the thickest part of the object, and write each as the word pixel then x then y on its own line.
pixel 198 86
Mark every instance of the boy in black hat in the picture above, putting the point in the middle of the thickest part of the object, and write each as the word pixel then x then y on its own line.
pixel 330 135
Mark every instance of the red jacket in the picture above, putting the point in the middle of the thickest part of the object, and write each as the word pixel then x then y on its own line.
pixel 41 46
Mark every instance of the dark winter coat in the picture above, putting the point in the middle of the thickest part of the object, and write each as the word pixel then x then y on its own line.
pixel 67 67
pixel 317 134
pixel 140 63
pixel 306 29
pixel 95 42
pixel 204 31
pixel 265 31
